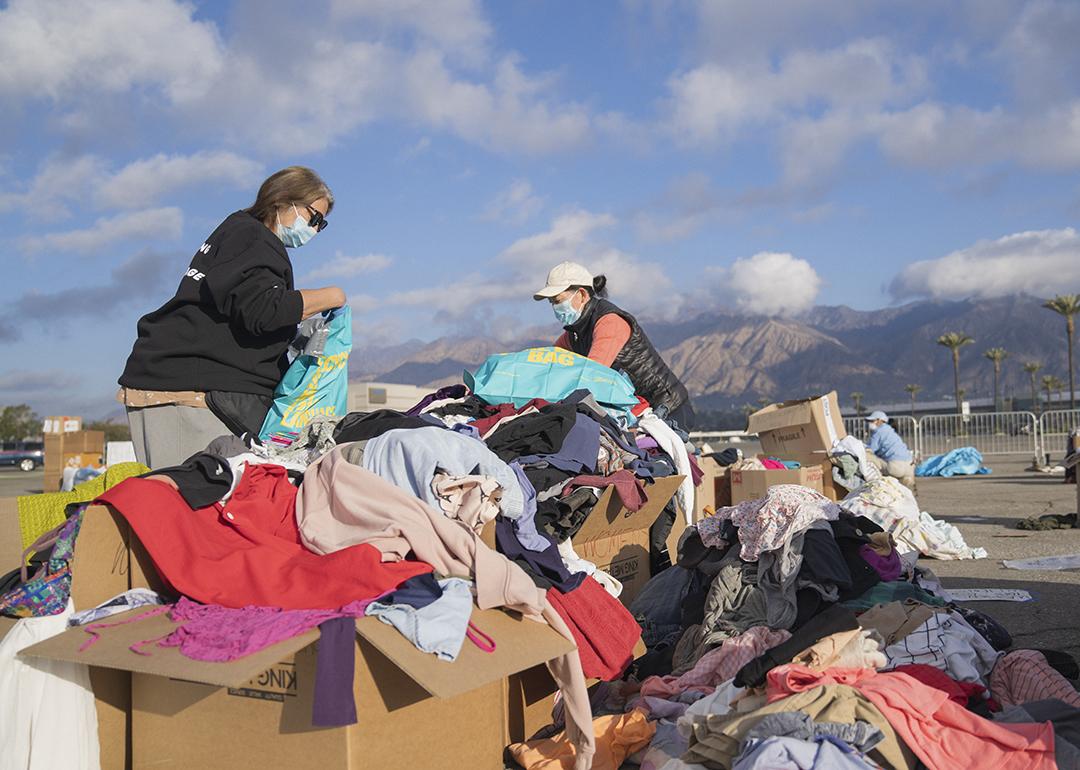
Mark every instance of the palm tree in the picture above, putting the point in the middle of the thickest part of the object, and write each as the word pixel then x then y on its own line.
pixel 1067 306
pixel 857 398
pixel 1049 383
pixel 1032 368
pixel 954 341
pixel 997 355
pixel 913 390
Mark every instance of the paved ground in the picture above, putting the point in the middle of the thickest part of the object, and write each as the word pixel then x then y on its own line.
pixel 14 482
pixel 986 509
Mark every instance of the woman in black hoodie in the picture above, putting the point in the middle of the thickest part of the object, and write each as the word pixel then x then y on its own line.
pixel 206 363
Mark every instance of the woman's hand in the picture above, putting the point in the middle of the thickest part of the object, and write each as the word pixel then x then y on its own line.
pixel 318 300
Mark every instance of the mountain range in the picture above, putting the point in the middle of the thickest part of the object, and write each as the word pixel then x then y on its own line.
pixel 727 360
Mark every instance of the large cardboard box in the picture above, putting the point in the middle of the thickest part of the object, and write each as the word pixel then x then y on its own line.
pixel 414 710
pixel 802 430
pixel 750 485
pixel 81 448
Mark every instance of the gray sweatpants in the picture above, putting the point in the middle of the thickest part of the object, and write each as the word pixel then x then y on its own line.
pixel 167 435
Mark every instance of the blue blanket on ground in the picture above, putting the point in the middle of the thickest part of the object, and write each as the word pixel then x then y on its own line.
pixel 965 461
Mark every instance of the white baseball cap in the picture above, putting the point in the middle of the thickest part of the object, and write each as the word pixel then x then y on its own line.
pixel 562 277
pixel 878 415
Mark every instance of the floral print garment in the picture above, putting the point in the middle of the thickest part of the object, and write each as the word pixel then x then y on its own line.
pixel 771 521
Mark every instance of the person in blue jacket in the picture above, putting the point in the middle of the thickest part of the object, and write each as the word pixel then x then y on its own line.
pixel 888 452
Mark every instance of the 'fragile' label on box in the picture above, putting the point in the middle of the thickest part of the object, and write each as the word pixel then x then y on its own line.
pixel 274 684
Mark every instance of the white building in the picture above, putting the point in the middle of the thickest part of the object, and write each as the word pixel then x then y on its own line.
pixel 369 396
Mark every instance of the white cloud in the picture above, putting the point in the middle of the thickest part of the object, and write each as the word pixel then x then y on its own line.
pixel 145 181
pixel 516 204
pixel 713 102
pixel 769 283
pixel 521 269
pixel 342 266
pixel 456 26
pixel 62 48
pixel 150 225
pixel 568 238
pixel 58 182
pixel 1039 262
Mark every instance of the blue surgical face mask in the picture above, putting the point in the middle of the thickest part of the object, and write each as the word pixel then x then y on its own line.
pixel 296 234
pixel 565 312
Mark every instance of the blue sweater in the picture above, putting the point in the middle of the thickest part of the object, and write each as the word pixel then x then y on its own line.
pixel 887 445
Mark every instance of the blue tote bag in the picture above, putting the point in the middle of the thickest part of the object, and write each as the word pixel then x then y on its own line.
pixel 314 385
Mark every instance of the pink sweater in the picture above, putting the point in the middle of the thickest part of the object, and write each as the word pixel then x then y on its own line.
pixel 609 336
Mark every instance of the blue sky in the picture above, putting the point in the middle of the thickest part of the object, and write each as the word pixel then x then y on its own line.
pixel 758 156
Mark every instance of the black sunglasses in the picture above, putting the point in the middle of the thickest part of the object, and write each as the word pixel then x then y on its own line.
pixel 318 221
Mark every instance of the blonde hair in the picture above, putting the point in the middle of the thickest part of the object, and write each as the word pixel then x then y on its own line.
pixel 297 185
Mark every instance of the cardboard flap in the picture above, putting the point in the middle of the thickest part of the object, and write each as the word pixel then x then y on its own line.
pixel 111 651
pixel 782 415
pixel 10 534
pixel 609 518
pixel 519 644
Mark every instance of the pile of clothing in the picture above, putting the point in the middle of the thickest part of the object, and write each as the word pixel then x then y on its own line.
pixel 963 461
pixel 383 514
pixel 795 632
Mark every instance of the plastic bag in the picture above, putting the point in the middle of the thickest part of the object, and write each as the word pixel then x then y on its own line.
pixel 315 385
pixel 551 374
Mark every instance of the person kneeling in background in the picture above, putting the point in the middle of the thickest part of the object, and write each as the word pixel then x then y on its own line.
pixel 888 452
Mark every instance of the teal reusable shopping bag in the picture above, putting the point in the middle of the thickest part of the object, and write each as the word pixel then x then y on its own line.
pixel 548 373
pixel 314 386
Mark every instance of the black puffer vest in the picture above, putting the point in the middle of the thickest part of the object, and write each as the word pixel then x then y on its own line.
pixel 652 377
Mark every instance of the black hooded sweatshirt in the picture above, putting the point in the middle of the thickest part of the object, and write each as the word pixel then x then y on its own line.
pixel 230 322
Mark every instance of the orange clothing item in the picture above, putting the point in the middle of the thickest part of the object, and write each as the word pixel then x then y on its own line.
pixel 609 336
pixel 617 737
pixel 941 733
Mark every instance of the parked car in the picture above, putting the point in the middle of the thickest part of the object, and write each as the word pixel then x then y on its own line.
pixel 25 456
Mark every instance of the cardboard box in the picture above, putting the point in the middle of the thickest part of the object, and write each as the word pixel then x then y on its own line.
pixel 803 430
pixel 83 447
pixel 414 711
pixel 62 424
pixel 617 540
pixel 715 488
pixel 750 485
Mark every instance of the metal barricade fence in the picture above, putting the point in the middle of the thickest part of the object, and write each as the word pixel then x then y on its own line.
pixel 1054 429
pixel 992 433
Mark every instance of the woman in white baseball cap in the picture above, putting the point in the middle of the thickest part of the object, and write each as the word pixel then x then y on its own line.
pixel 595 327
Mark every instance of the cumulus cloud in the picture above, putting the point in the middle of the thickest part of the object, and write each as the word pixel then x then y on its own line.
pixel 522 267
pixel 146 181
pixel 59 49
pixel 421 62
pixel 58 182
pixel 455 26
pixel 1039 262
pixel 61 181
pixel 769 283
pixel 342 266
pixel 153 224
pixel 711 103
pixel 516 204
pixel 140 277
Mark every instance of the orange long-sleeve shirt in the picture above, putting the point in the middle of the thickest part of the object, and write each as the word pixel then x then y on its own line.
pixel 609 335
